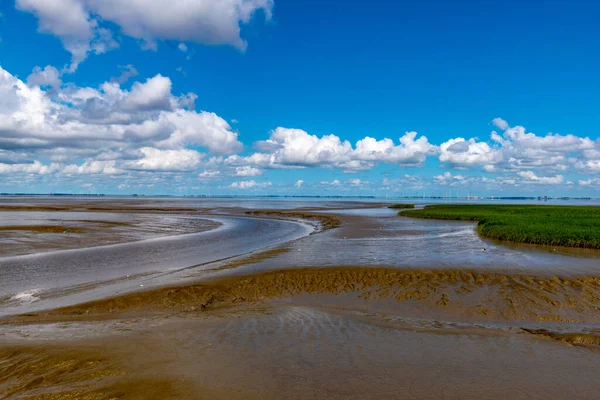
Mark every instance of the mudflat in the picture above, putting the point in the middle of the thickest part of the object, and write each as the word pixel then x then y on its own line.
pixel 370 305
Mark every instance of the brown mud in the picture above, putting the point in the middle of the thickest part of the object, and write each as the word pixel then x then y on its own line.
pixel 583 339
pixel 326 222
pixel 108 208
pixel 82 372
pixel 257 351
pixel 254 258
pixel 82 233
pixel 315 333
pixel 451 294
pixel 42 229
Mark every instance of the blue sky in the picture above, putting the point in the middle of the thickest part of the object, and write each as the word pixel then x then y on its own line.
pixel 284 94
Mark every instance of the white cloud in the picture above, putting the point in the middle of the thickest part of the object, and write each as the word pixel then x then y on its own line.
pixel 93 167
pixel 531 177
pixel 591 181
pixel 522 150
pixel 154 94
pixel 335 182
pixel 299 183
pixel 66 19
pixel 516 149
pixel 408 152
pixel 500 124
pixel 412 178
pixel 588 165
pixel 204 129
pixel 298 148
pixel 448 179
pixel 295 148
pixel 248 171
pixel 183 47
pixel 166 160
pixel 108 124
pixel 356 182
pixel 49 76
pixel 34 168
pixel 249 185
pixel 350 182
pixel 461 152
pixel 80 24
pixel 209 174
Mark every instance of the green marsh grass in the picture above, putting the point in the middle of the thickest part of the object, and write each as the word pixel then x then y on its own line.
pixel 568 226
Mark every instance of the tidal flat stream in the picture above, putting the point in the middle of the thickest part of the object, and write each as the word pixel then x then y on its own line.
pixel 381 307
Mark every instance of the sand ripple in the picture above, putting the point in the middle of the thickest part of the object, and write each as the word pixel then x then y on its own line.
pixel 452 294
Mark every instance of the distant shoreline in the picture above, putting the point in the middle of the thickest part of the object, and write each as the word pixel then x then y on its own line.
pixel 473 198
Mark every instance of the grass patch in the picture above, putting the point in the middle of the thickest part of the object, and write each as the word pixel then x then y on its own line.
pixel 568 226
pixel 402 206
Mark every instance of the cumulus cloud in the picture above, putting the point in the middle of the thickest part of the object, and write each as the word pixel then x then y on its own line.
pixel 461 152
pixel 248 171
pixel 49 76
pixel 531 177
pixel 92 167
pixel 145 128
pixel 249 185
pixel 500 124
pixel 154 94
pixel 209 174
pixel 205 129
pixel 71 22
pixel 591 181
pixel 115 117
pixel 166 160
pixel 590 160
pixel 295 148
pixel 82 28
pixel 523 150
pixel 516 149
pixel 356 182
pixel 34 168
pixel 408 152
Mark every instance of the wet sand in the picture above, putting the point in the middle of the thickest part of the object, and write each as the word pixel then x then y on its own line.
pixel 33 232
pixel 54 279
pixel 285 350
pixel 375 307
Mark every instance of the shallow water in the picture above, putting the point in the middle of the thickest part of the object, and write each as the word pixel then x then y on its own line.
pixel 87 229
pixel 379 238
pixel 60 278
